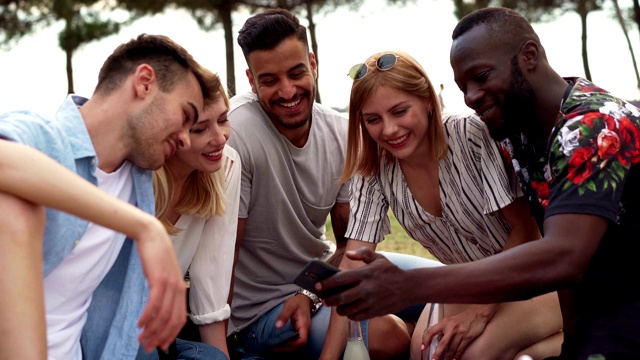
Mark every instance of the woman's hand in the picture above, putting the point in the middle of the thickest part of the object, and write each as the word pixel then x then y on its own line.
pixel 458 332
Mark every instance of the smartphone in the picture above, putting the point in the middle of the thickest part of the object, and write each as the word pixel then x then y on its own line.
pixel 315 271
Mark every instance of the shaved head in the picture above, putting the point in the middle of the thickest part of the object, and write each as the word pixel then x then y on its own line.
pixel 504 26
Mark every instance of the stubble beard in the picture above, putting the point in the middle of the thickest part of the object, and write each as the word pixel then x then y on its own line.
pixel 518 110
pixel 302 121
pixel 141 129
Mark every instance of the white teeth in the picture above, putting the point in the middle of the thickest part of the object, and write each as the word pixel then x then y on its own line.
pixel 486 111
pixel 398 140
pixel 291 104
pixel 213 154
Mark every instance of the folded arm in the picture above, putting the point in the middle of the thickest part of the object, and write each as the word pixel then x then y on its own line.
pixel 32 176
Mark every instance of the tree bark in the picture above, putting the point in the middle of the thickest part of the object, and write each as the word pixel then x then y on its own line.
pixel 582 10
pixel 626 35
pixel 314 46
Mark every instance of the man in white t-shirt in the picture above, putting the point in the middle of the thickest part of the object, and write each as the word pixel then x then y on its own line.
pixel 96 283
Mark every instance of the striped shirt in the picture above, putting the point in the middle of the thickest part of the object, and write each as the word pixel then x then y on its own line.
pixel 473 187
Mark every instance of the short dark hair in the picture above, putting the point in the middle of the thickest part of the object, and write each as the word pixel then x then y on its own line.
pixel 170 61
pixel 268 29
pixel 503 23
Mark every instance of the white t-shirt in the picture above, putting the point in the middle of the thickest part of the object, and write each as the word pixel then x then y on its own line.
pixel 69 287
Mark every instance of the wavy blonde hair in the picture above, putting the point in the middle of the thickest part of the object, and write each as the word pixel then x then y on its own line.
pixel 363 153
pixel 203 193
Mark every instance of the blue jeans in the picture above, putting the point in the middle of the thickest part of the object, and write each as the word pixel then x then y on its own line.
pixel 256 341
pixel 187 350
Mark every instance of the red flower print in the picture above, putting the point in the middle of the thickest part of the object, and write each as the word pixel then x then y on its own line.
pixel 581 164
pixel 629 142
pixel 590 118
pixel 608 144
pixel 542 188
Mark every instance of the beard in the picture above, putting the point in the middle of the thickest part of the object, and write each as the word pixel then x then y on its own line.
pixel 142 129
pixel 292 123
pixel 518 110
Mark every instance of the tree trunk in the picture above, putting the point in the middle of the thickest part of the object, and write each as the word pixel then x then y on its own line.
pixel 636 13
pixel 582 10
pixel 69 53
pixel 626 35
pixel 227 24
pixel 314 45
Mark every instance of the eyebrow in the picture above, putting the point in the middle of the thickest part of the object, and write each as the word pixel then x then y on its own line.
pixel 301 65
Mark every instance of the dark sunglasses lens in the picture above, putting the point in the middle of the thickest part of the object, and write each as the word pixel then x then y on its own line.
pixel 358 71
pixel 386 61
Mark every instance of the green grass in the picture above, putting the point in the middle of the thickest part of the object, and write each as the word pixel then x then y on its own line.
pixel 398 241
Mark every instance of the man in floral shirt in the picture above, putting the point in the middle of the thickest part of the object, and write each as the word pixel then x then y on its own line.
pixel 575 149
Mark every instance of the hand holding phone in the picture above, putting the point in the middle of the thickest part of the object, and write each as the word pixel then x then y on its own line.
pixel 313 272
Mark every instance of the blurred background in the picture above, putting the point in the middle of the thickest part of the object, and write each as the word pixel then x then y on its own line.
pixel 49 48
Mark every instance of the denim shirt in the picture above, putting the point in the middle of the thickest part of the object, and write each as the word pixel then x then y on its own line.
pixel 111 330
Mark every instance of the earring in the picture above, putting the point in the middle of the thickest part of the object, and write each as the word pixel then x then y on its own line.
pixel 429 114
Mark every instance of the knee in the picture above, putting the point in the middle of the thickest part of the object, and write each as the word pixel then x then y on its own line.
pixel 20 219
pixel 389 338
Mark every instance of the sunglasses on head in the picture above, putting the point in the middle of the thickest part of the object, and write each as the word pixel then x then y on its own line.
pixel 384 63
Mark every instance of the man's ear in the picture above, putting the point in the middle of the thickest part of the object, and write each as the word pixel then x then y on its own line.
pixel 251 81
pixel 144 80
pixel 314 65
pixel 529 55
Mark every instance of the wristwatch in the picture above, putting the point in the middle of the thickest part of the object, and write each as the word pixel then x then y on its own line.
pixel 317 302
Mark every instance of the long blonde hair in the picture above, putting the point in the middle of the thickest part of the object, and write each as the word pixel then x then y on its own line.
pixel 203 194
pixel 363 153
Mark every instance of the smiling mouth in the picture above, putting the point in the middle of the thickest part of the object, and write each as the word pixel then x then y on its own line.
pixel 214 154
pixel 486 112
pixel 398 140
pixel 291 104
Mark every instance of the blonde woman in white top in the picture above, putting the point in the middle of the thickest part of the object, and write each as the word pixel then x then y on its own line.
pixel 197 193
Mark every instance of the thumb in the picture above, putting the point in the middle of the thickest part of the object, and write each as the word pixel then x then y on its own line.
pixel 284 316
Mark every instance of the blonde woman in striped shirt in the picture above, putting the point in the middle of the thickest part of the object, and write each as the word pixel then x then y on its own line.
pixel 444 179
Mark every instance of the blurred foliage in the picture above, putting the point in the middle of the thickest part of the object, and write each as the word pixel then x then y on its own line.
pixel 85 21
pixel 540 11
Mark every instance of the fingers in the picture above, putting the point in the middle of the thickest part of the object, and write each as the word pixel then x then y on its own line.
pixel 164 315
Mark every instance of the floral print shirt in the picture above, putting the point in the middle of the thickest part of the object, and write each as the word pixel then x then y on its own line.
pixel 591 167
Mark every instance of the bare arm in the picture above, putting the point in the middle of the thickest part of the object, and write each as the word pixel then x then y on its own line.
pixel 522 272
pixel 523 225
pixel 336 338
pixel 30 175
pixel 462 329
pixel 339 222
pixel 215 334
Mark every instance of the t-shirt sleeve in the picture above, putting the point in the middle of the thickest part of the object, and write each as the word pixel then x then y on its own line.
pixel 590 157
pixel 368 206
pixel 498 191
pixel 246 174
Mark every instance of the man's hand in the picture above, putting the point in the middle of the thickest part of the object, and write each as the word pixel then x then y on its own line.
pixel 165 313
pixel 459 331
pixel 373 289
pixel 298 310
